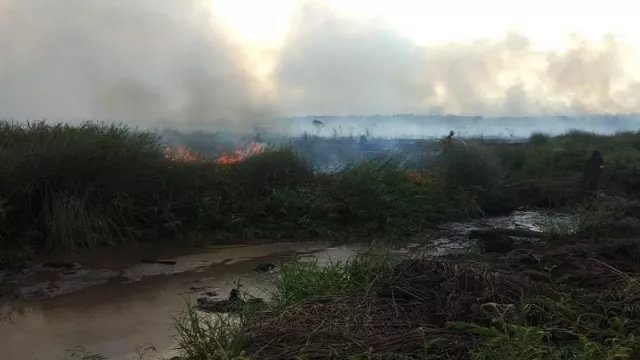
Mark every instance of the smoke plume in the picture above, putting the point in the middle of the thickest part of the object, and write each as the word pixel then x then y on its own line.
pixel 142 61
pixel 152 62
pixel 333 64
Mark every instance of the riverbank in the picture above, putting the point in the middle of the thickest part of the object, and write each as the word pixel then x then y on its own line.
pixel 131 302
pixel 565 296
pixel 66 187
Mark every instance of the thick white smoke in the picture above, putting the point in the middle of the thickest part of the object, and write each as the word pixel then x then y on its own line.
pixel 335 65
pixel 167 62
pixel 139 61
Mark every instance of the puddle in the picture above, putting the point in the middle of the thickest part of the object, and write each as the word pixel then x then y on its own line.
pixel 112 302
pixel 453 237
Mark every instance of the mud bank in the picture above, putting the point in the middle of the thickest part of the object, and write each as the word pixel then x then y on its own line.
pixel 111 301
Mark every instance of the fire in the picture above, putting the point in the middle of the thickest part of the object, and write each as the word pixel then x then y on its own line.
pixel 181 154
pixel 419 178
pixel 240 154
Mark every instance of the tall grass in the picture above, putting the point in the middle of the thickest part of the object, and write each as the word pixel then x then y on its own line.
pixel 64 186
pixel 209 336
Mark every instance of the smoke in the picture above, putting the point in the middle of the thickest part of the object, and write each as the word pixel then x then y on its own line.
pixel 336 65
pixel 168 62
pixel 143 62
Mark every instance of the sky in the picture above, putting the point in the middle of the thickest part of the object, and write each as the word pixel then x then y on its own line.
pixel 545 22
pixel 233 63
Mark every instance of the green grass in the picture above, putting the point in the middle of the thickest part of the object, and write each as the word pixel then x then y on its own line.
pixel 301 281
pixel 210 336
pixel 584 219
pixel 65 187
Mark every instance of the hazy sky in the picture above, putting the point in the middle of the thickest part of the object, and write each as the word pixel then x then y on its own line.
pixel 545 22
pixel 236 62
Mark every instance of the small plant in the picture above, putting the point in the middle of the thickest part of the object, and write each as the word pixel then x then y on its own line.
pixel 203 336
pixel 362 273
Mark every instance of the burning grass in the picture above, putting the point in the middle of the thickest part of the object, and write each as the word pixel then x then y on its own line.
pixel 69 186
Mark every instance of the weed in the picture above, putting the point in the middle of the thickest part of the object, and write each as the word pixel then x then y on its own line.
pixel 203 336
pixel 363 273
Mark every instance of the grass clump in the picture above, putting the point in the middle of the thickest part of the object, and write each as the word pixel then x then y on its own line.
pixel 477 172
pixel 301 281
pixel 210 336
pixel 65 186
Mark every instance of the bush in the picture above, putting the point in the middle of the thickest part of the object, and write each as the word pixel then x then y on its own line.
pixel 67 186
pixel 381 196
pixel 476 170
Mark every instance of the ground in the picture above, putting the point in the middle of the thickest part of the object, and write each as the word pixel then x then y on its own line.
pixel 571 296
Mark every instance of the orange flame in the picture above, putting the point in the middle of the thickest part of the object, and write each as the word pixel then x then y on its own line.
pixel 181 154
pixel 239 154
pixel 419 178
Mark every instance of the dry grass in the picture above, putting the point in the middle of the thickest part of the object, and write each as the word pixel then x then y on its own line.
pixel 559 302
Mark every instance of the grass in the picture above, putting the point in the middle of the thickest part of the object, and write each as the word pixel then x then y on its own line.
pixel 545 170
pixel 65 187
pixel 364 273
pixel 588 218
pixel 561 306
pixel 218 336
pixel 571 297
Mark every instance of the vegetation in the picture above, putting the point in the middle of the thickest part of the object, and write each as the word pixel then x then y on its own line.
pixel 571 296
pixel 66 186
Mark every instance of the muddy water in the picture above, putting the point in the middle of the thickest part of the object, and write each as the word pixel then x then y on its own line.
pixel 112 303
